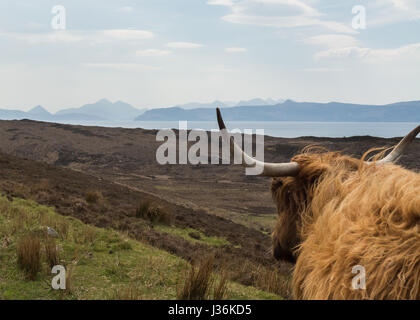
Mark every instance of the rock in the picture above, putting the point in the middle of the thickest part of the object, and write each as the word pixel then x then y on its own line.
pixel 52 233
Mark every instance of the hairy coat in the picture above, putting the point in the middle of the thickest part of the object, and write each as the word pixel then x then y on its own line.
pixel 340 212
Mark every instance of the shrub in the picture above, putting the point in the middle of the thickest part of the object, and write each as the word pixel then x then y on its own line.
pixel 146 210
pixel 28 253
pixel 93 196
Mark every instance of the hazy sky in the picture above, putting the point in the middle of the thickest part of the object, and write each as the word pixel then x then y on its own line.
pixel 156 53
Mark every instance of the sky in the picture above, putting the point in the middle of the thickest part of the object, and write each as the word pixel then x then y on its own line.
pixel 160 53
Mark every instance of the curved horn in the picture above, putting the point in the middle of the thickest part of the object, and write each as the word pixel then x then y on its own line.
pixel 400 148
pixel 269 169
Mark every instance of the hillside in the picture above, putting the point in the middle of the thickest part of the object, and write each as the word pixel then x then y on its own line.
pixel 187 233
pixel 296 111
pixel 211 207
pixel 100 263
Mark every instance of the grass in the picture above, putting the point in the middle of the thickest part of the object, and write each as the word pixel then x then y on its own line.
pixel 51 253
pixel 193 235
pixel 100 263
pixel 268 279
pixel 201 282
pixel 29 255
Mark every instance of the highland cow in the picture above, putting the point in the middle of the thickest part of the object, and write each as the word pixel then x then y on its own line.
pixel 336 212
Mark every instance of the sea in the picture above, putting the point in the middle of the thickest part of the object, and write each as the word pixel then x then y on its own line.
pixel 285 129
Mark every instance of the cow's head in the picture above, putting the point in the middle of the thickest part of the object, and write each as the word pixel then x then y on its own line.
pixel 296 183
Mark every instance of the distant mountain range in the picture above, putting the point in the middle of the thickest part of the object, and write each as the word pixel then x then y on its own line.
pixel 229 104
pixel 290 110
pixel 103 110
pixel 252 110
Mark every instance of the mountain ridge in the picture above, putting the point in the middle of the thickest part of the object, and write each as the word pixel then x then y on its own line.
pixel 101 110
pixel 289 110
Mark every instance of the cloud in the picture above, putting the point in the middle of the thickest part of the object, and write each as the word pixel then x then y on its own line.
pixel 128 34
pixel 66 36
pixel 280 14
pixel 227 3
pixel 153 52
pixel 235 50
pixel 126 9
pixel 184 45
pixel 324 69
pixel 372 55
pixel 217 69
pixel 333 40
pixel 121 66
pixel 48 37
pixel 387 12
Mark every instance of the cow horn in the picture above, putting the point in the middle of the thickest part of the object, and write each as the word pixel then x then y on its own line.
pixel 400 148
pixel 269 169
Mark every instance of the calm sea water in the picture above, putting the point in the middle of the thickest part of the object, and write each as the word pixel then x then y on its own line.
pixel 283 129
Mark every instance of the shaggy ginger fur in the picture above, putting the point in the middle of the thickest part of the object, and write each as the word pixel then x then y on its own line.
pixel 339 213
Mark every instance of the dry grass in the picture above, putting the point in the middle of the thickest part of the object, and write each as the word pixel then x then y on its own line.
pixel 93 196
pixel 51 253
pixel 200 283
pixel 69 280
pixel 148 211
pixel 270 279
pixel 220 289
pixel 89 234
pixel 20 190
pixel 86 235
pixel 29 255
pixel 127 293
pixel 42 185
pixel 19 219
pixel 62 227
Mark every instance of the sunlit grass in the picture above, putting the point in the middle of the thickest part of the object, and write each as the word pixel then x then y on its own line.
pixel 105 264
